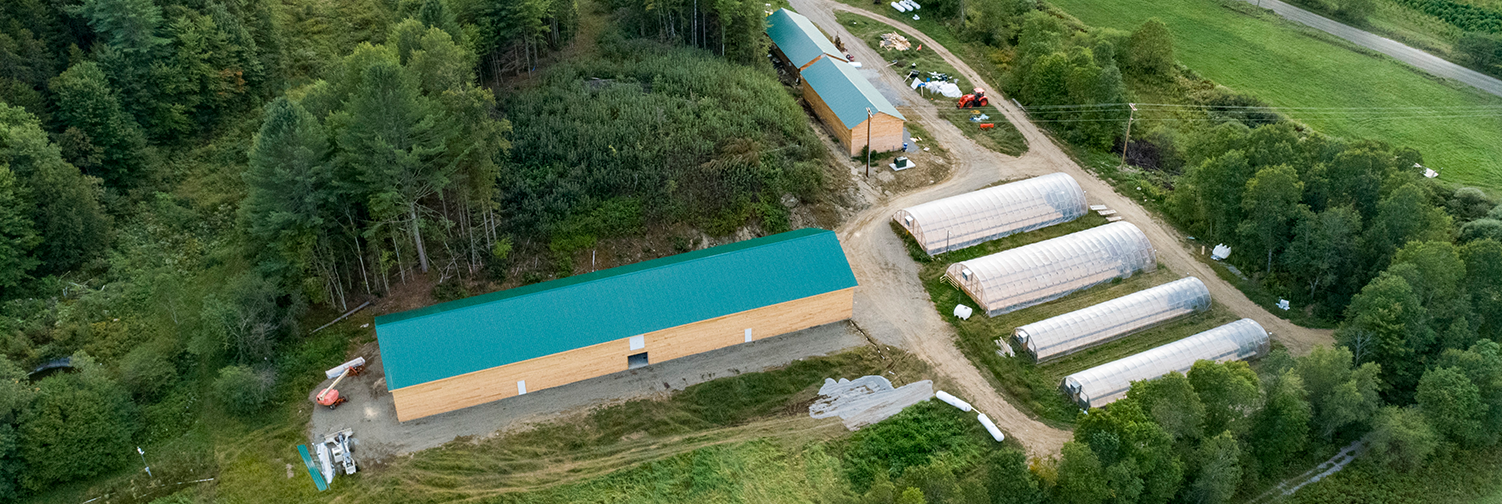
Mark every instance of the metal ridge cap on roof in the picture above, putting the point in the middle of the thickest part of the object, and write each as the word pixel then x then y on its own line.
pixel 618 271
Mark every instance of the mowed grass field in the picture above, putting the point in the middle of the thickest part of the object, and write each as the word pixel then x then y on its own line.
pixel 1290 67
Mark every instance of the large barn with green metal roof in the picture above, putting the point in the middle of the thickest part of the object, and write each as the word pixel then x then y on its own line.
pixel 852 108
pixel 797 41
pixel 839 95
pixel 498 345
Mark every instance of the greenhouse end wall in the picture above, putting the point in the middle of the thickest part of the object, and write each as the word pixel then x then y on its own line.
pixel 1088 327
pixel 976 217
pixel 1041 272
pixel 1101 385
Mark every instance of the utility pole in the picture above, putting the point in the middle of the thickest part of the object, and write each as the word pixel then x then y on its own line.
pixel 1124 143
pixel 868 142
pixel 143 461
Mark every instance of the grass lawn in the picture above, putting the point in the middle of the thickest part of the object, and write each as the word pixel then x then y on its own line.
pixel 1033 387
pixel 1289 66
pixel 752 429
pixel 1003 138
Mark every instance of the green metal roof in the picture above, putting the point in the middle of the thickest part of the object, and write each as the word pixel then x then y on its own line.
pixel 514 325
pixel 846 92
pixel 798 38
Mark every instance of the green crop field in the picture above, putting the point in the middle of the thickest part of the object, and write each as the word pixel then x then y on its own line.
pixel 1290 67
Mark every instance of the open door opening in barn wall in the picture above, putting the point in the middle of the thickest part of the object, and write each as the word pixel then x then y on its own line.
pixel 636 360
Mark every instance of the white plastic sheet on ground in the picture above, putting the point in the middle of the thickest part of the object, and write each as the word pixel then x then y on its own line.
pixel 867 400
pixel 1220 252
pixel 948 89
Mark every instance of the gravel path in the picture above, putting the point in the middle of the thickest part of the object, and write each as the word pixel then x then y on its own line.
pixel 1430 63
pixel 892 305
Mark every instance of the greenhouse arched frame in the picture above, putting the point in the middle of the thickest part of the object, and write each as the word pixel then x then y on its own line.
pixel 1033 274
pixel 976 217
pixel 1098 324
pixel 1101 385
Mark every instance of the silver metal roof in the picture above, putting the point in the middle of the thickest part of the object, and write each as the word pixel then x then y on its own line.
pixel 1041 272
pixel 1087 327
pixel 1103 384
pixel 960 221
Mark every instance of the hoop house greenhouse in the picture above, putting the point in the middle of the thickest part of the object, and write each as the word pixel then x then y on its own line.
pixel 1100 385
pixel 1041 272
pixel 1080 329
pixel 960 221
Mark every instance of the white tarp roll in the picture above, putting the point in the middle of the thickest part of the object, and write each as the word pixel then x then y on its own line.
pixel 338 370
pixel 953 401
pixel 991 427
pixel 899 7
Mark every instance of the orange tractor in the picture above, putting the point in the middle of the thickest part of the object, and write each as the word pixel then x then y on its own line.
pixel 973 100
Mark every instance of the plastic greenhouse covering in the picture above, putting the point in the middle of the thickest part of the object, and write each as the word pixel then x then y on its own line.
pixel 1084 328
pixel 1100 385
pixel 960 221
pixel 1041 272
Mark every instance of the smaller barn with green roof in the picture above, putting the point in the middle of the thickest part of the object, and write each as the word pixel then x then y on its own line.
pixel 494 346
pixel 797 41
pixel 851 107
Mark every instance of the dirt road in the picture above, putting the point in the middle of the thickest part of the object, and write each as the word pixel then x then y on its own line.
pixel 892 305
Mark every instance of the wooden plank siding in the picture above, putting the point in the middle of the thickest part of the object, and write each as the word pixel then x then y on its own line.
pixel 562 368
pixel 827 116
pixel 886 131
pixel 886 134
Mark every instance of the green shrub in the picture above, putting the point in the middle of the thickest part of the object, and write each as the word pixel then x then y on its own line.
pixel 909 439
pixel 243 390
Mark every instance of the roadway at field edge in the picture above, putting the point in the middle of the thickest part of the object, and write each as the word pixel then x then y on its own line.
pixel 1430 63
pixel 892 303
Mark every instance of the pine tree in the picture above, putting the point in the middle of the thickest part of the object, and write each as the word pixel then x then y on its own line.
pixel 129 25
pixel 84 100
pixel 435 14
pixel 395 140
pixel 289 187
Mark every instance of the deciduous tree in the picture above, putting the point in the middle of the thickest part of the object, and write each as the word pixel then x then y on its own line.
pixel 1387 324
pixel 1281 427
pixel 1270 202
pixel 1229 391
pixel 1401 438
pixel 1081 479
pixel 1325 247
pixel 1151 49
pixel 65 207
pixel 79 425
pixel 1218 470
pixel 1452 404
pixel 1339 395
pixel 17 233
